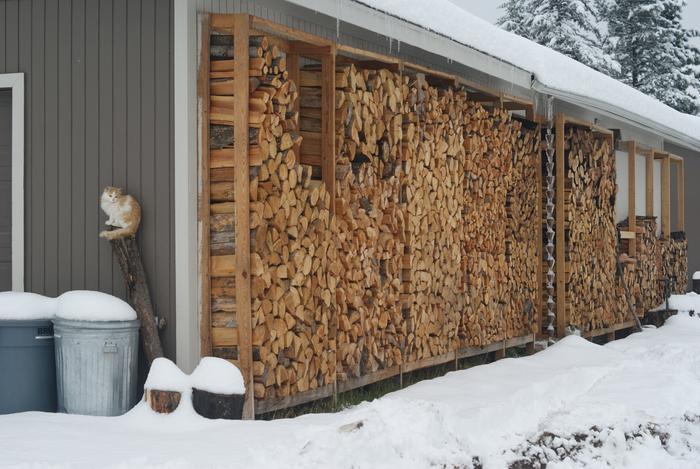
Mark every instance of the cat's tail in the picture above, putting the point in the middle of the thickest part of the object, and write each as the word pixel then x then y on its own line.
pixel 118 233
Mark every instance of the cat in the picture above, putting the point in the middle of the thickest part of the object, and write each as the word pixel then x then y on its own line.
pixel 124 212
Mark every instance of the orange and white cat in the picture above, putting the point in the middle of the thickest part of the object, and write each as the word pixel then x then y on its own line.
pixel 124 212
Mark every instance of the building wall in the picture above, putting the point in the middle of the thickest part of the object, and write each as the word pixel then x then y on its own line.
pixel 98 112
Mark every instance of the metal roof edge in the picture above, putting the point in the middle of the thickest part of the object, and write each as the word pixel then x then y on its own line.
pixel 618 113
pixel 361 15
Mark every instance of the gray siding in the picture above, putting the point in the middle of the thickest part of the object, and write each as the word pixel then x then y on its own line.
pixel 5 190
pixel 98 112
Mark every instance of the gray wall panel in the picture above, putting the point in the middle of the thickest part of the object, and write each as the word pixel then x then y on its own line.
pixel 98 109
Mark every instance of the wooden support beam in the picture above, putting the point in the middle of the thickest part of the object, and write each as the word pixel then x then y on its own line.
pixel 650 184
pixel 328 124
pixel 680 187
pixel 632 193
pixel 540 243
pixel 666 198
pixel 308 50
pixel 203 208
pixel 287 32
pixel 562 310
pixel 241 27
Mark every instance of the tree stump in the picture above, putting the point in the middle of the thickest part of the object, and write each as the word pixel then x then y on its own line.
pixel 127 251
pixel 163 402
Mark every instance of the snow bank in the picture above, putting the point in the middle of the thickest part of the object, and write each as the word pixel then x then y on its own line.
pixel 551 68
pixel 165 375
pixel 218 376
pixel 26 306
pixel 688 302
pixel 83 305
pixel 629 405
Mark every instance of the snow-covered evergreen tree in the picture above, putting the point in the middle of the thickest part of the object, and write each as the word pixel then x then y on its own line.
pixel 655 52
pixel 572 27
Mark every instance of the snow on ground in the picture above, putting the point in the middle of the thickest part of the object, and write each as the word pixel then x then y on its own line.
pixel 634 403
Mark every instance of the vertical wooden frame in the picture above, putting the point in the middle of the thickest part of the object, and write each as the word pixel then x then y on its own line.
pixel 666 197
pixel 650 184
pixel 680 188
pixel 204 190
pixel 632 194
pixel 328 123
pixel 241 32
pixel 540 243
pixel 562 300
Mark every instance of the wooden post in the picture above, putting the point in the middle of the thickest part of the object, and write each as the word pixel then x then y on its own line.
pixel 540 242
pixel 328 124
pixel 138 295
pixel 561 298
pixel 632 194
pixel 680 185
pixel 666 197
pixel 650 184
pixel 205 191
pixel 241 164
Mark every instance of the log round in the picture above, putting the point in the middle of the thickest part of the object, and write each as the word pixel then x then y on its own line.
pixel 217 406
pixel 163 402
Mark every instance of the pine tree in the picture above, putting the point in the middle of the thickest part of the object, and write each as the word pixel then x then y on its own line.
pixel 655 52
pixel 572 27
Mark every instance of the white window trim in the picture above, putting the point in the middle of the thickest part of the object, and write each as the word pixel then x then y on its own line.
pixel 187 346
pixel 15 82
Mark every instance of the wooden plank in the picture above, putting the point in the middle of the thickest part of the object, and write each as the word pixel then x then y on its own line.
pixel 540 243
pixel 328 124
pixel 278 403
pixel 241 26
pixel 204 211
pixel 632 193
pixel 561 298
pixel 650 184
pixel 224 336
pixel 368 379
pixel 680 187
pixel 308 50
pixel 287 32
pixel 430 361
pixel 366 54
pixel 666 198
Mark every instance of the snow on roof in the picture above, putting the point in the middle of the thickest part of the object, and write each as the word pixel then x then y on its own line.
pixel 549 67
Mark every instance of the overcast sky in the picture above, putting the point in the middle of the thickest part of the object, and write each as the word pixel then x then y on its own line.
pixel 490 11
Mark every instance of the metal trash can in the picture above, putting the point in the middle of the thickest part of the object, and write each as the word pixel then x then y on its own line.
pixel 96 366
pixel 27 366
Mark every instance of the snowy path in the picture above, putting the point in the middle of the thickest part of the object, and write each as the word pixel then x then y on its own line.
pixel 634 403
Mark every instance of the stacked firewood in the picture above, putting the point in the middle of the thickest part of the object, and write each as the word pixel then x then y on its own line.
pixel 642 272
pixel 433 149
pixel 591 237
pixel 522 235
pixel 371 221
pixel 294 268
pixel 674 261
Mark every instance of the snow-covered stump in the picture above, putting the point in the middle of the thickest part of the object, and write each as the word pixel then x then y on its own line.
pixel 218 391
pixel 165 386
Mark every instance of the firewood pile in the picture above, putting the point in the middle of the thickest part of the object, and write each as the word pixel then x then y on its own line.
pixel 294 268
pixel 370 219
pixel 674 261
pixel 432 245
pixel 591 237
pixel 642 274
pixel 434 160
pixel 522 235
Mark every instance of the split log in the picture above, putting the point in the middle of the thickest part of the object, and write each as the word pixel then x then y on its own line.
pixel 163 402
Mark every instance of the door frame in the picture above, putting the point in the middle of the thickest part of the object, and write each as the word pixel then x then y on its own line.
pixel 15 82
